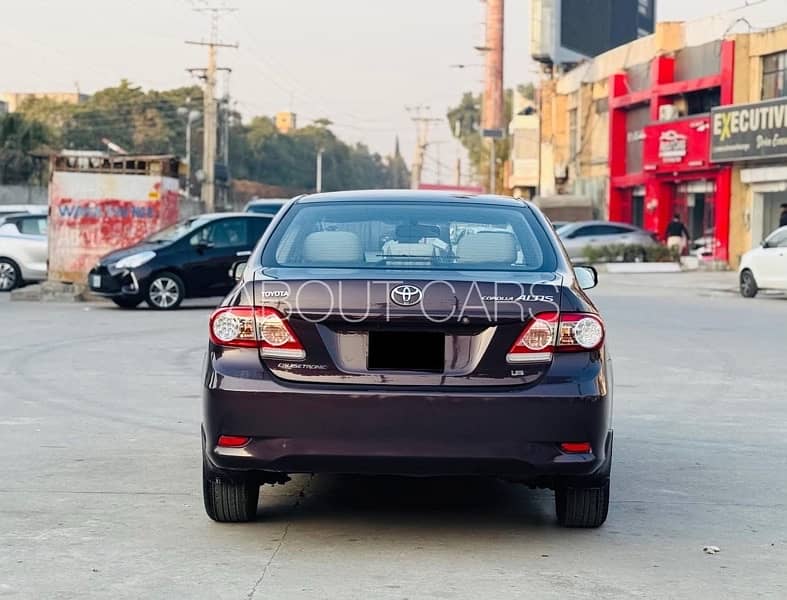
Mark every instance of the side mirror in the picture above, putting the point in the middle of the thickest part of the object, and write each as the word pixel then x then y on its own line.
pixel 202 246
pixel 237 269
pixel 587 277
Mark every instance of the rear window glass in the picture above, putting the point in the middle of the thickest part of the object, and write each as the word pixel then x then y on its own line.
pixel 405 235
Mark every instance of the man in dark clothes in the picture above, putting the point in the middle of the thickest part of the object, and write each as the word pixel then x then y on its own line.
pixel 677 235
pixel 783 217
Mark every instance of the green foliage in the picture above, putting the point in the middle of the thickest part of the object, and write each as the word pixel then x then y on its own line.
pixel 630 253
pixel 149 123
pixel 465 122
pixel 18 138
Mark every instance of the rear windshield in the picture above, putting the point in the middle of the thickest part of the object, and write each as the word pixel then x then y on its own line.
pixel 396 235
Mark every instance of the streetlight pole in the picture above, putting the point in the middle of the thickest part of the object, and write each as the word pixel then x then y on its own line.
pixel 318 186
pixel 191 117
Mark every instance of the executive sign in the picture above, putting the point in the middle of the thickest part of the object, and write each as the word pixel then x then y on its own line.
pixel 749 131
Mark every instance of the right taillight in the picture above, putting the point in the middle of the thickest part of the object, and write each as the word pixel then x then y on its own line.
pixel 551 332
pixel 255 327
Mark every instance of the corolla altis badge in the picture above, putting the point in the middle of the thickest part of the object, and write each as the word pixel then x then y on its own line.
pixel 406 295
pixel 522 298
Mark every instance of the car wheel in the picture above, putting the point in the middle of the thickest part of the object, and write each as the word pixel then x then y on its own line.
pixel 127 301
pixel 229 501
pixel 583 506
pixel 10 277
pixel 165 291
pixel 749 287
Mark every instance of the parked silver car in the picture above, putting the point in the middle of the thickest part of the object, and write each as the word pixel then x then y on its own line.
pixel 23 250
pixel 582 234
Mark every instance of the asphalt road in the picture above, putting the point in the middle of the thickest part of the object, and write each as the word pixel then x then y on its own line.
pixel 100 488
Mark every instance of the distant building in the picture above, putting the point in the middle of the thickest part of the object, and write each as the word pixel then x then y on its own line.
pixel 3 108
pixel 14 100
pixel 523 171
pixel 690 120
pixel 285 122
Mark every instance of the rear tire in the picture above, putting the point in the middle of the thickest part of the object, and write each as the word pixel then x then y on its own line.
pixel 583 506
pixel 10 275
pixel 127 301
pixel 748 287
pixel 229 501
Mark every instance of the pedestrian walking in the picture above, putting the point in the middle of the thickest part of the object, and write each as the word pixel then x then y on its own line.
pixel 783 217
pixel 677 235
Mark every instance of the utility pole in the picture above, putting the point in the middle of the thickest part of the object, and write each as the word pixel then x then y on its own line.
pixel 210 109
pixel 492 106
pixel 492 109
pixel 422 142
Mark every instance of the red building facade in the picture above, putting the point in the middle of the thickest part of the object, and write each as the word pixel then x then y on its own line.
pixel 662 167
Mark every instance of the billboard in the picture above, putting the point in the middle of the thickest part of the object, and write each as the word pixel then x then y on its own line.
pixel 568 31
pixel 749 131
pixel 677 146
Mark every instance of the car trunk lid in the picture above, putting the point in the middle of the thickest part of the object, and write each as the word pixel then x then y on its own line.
pixel 430 328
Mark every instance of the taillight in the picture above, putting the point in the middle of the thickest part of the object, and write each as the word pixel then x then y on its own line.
pixel 552 332
pixel 260 327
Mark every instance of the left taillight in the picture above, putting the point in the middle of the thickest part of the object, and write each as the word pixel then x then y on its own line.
pixel 255 327
pixel 551 332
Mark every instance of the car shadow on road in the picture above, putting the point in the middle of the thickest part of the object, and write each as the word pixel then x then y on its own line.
pixel 405 501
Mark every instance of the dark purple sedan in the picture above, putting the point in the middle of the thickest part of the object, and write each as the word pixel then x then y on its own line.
pixel 409 333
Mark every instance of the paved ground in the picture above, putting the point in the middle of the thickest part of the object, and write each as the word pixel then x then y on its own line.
pixel 100 493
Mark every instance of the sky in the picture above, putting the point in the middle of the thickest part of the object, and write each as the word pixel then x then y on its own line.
pixel 357 62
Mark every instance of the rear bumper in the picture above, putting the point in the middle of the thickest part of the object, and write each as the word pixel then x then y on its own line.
pixel 513 433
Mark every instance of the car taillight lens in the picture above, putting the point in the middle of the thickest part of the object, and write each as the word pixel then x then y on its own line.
pixel 260 327
pixel 552 332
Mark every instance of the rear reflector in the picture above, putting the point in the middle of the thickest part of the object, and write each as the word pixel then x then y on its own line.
pixel 260 327
pixel 233 441
pixel 576 447
pixel 551 332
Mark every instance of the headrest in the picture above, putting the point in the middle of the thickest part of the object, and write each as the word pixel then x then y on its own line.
pixel 487 247
pixel 332 247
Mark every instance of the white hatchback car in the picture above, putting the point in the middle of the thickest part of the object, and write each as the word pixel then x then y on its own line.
pixel 765 267
pixel 23 250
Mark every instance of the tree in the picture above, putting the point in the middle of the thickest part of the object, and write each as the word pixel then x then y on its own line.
pixel 465 122
pixel 149 123
pixel 18 138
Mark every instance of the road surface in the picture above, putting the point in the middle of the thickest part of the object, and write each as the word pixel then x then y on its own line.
pixel 100 494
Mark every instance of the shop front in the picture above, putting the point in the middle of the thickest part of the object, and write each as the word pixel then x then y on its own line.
pixel 752 138
pixel 677 177
pixel 680 180
pixel 659 146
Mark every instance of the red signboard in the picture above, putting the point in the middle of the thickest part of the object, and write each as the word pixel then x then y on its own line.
pixel 677 146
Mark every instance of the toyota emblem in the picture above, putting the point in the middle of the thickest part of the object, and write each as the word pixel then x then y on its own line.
pixel 406 295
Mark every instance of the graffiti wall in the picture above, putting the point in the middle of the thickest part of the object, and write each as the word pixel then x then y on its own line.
pixel 91 214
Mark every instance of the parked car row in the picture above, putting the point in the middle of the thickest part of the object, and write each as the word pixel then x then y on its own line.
pixel 193 258
pixel 189 260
